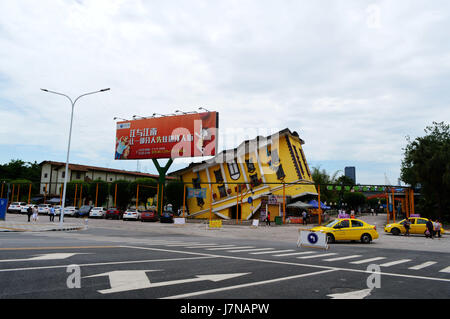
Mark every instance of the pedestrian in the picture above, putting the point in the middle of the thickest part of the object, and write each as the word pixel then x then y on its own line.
pixel 29 212
pixel 437 228
pixel 304 218
pixel 429 231
pixel 372 211
pixel 268 219
pixel 35 214
pixel 52 214
pixel 407 225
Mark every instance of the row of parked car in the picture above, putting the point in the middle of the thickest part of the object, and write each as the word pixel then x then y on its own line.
pixel 95 212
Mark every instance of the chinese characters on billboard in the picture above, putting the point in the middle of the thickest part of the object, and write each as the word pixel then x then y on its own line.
pixel 188 135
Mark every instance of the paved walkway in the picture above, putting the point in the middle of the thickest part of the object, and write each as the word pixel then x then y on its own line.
pixel 19 223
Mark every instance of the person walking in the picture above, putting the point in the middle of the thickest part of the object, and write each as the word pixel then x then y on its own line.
pixel 29 212
pixel 437 228
pixel 52 214
pixel 35 214
pixel 429 231
pixel 268 219
pixel 304 218
pixel 407 225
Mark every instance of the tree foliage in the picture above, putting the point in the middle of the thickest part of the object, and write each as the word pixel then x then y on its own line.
pixel 426 164
pixel 123 193
pixel 174 194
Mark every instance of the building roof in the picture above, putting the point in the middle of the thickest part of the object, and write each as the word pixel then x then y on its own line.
pixel 286 131
pixel 85 168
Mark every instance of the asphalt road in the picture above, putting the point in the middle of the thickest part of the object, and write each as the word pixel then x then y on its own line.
pixel 103 262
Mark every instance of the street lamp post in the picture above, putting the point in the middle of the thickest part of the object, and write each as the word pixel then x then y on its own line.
pixel 68 146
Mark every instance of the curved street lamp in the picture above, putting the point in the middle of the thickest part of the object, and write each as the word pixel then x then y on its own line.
pixel 68 147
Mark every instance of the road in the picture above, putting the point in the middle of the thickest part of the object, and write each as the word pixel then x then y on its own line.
pixel 132 260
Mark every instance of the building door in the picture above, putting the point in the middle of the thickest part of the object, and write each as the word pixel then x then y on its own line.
pixel 235 211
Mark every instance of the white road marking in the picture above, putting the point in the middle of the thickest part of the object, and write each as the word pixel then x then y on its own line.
pixel 358 294
pixel 126 280
pixel 245 250
pixel 53 256
pixel 295 254
pixel 424 265
pixel 447 270
pixel 271 252
pixel 367 260
pixel 317 256
pixel 197 293
pixel 229 248
pixel 396 262
pixel 209 246
pixel 342 258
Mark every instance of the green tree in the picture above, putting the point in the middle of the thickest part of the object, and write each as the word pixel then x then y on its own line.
pixel 354 199
pixel 147 188
pixel 426 164
pixel 321 177
pixel 18 169
pixel 123 193
pixel 102 193
pixel 174 194
pixel 76 186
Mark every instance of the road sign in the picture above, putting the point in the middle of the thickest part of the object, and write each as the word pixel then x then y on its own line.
pixel 312 239
pixel 3 204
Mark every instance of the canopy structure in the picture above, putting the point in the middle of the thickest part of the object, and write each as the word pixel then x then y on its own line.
pixel 300 205
pixel 55 200
pixel 315 204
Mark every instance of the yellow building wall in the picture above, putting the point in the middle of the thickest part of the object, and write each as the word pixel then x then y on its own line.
pixel 223 205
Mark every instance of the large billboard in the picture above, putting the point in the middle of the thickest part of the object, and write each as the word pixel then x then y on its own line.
pixel 187 135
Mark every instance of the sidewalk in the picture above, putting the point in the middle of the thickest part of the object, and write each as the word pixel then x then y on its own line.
pixel 19 223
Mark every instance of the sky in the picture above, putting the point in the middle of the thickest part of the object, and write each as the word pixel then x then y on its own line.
pixel 353 78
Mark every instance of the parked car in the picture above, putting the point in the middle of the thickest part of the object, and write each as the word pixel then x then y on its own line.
pixel 43 208
pixel 84 210
pixel 57 209
pixel 70 211
pixel 166 217
pixel 24 209
pixel 16 207
pixel 149 215
pixel 348 229
pixel 132 214
pixel 113 213
pixel 97 212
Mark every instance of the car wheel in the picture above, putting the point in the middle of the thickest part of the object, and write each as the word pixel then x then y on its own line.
pixel 395 231
pixel 330 238
pixel 366 239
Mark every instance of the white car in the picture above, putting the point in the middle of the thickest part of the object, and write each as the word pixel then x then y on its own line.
pixel 97 212
pixel 44 208
pixel 16 207
pixel 131 214
pixel 57 209
pixel 24 209
pixel 70 211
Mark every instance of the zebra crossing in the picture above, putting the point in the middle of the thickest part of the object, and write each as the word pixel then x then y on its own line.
pixel 329 257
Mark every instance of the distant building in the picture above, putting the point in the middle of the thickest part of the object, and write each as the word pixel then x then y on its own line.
pixel 52 175
pixel 350 172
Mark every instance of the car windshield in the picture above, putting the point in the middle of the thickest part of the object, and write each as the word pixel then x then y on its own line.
pixel 331 224
pixel 14 203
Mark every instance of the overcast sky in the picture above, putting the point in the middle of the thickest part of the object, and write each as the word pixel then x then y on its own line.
pixel 353 78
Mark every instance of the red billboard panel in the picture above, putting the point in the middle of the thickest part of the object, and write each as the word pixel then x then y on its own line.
pixel 188 135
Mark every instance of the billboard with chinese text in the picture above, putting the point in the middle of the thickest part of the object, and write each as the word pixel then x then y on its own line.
pixel 188 135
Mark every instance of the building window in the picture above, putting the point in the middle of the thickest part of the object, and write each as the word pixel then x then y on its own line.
pixel 219 177
pixel 254 180
pixel 233 169
pixel 280 172
pixel 78 175
pixel 250 166
pixel 45 175
pixel 63 174
pixel 222 191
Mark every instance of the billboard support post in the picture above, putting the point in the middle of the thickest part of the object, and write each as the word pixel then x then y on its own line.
pixel 161 181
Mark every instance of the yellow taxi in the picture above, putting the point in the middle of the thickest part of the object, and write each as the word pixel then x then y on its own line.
pixel 418 226
pixel 348 229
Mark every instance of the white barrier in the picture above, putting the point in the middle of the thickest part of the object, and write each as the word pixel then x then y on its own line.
pixel 312 240
pixel 179 221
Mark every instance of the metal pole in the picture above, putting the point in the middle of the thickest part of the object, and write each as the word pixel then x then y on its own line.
pixel 29 194
pixel 115 196
pixel 68 146
pixel 284 203
pixel 184 198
